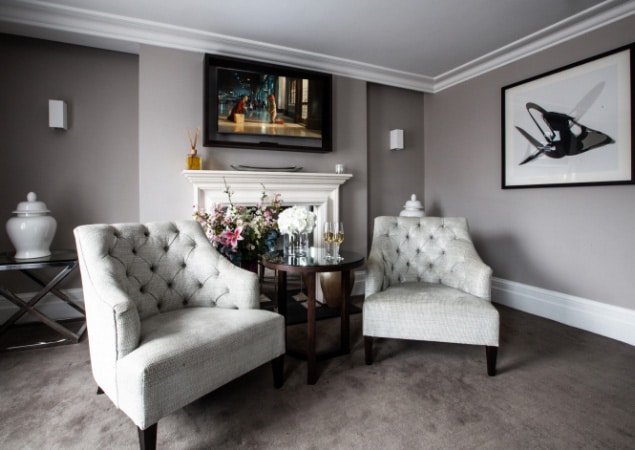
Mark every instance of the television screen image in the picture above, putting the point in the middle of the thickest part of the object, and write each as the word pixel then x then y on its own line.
pixel 250 104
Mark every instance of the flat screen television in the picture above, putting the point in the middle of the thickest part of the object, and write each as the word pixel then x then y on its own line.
pixel 255 105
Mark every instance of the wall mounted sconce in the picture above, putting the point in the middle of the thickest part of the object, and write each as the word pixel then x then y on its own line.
pixel 396 139
pixel 57 114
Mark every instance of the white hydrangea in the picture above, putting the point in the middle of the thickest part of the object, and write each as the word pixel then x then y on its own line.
pixel 296 219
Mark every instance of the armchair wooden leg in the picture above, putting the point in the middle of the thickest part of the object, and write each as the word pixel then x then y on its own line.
pixel 99 390
pixel 368 350
pixel 278 371
pixel 148 438
pixel 491 353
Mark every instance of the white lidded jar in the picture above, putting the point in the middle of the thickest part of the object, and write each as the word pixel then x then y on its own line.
pixel 32 230
pixel 413 208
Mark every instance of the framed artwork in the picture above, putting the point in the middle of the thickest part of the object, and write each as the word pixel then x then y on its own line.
pixel 571 126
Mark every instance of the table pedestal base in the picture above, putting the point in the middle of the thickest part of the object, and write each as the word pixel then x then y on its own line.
pixel 311 355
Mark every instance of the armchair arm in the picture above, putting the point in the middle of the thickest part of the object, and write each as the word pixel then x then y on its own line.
pixel 112 317
pixel 478 278
pixel 464 269
pixel 243 285
pixel 374 274
pixel 113 323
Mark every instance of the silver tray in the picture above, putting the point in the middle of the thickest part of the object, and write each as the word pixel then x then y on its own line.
pixel 267 169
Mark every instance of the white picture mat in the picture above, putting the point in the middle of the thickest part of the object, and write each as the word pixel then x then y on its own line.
pixel 597 95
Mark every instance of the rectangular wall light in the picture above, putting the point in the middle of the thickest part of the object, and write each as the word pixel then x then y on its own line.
pixel 57 114
pixel 396 139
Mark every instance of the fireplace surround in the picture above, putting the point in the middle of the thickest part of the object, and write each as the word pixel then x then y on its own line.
pixel 319 190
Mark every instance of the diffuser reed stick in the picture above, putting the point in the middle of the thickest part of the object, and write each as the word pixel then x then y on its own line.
pixel 193 161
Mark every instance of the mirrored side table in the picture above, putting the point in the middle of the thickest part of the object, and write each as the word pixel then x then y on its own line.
pixel 65 261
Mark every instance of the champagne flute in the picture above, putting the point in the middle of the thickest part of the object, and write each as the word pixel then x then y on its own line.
pixel 328 236
pixel 338 238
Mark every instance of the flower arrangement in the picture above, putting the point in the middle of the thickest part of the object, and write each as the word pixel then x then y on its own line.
pixel 242 233
pixel 296 220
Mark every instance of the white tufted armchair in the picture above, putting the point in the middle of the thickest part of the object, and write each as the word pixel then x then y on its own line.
pixel 425 281
pixel 169 318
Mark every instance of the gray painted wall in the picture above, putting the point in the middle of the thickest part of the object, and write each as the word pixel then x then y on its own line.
pixel 393 175
pixel 88 173
pixel 171 100
pixel 571 240
pixel 575 240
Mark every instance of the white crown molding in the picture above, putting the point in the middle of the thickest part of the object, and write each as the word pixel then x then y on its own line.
pixel 84 27
pixel 73 25
pixel 582 23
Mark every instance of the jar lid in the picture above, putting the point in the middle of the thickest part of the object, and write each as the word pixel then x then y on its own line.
pixel 413 203
pixel 31 206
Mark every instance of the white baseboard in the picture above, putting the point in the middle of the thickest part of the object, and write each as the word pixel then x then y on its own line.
pixel 600 318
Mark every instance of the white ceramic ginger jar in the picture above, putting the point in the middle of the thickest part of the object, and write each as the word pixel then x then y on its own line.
pixel 32 230
pixel 413 208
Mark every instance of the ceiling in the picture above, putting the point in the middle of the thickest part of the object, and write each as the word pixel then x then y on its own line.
pixel 425 45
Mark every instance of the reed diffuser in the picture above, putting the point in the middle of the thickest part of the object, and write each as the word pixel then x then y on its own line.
pixel 193 160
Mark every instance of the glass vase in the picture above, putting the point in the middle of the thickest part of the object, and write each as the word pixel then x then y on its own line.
pixel 297 244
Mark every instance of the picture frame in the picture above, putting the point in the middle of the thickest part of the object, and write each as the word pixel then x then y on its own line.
pixel 571 126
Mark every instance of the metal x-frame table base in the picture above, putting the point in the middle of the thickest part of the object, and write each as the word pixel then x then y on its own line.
pixel 29 306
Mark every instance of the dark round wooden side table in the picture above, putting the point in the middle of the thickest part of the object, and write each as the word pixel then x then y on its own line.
pixel 311 265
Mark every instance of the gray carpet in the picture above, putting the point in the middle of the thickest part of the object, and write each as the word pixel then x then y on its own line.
pixel 557 388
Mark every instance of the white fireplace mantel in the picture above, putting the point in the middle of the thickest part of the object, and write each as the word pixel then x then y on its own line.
pixel 320 190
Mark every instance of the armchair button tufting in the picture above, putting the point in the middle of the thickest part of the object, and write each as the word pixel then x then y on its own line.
pixel 170 284
pixel 166 248
pixel 134 251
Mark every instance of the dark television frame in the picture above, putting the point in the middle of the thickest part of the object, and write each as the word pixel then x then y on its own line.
pixel 213 137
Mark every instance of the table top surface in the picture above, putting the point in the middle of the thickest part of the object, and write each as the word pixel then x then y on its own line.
pixel 315 261
pixel 56 258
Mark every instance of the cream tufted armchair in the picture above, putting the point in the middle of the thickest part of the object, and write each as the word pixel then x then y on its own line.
pixel 425 281
pixel 169 318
